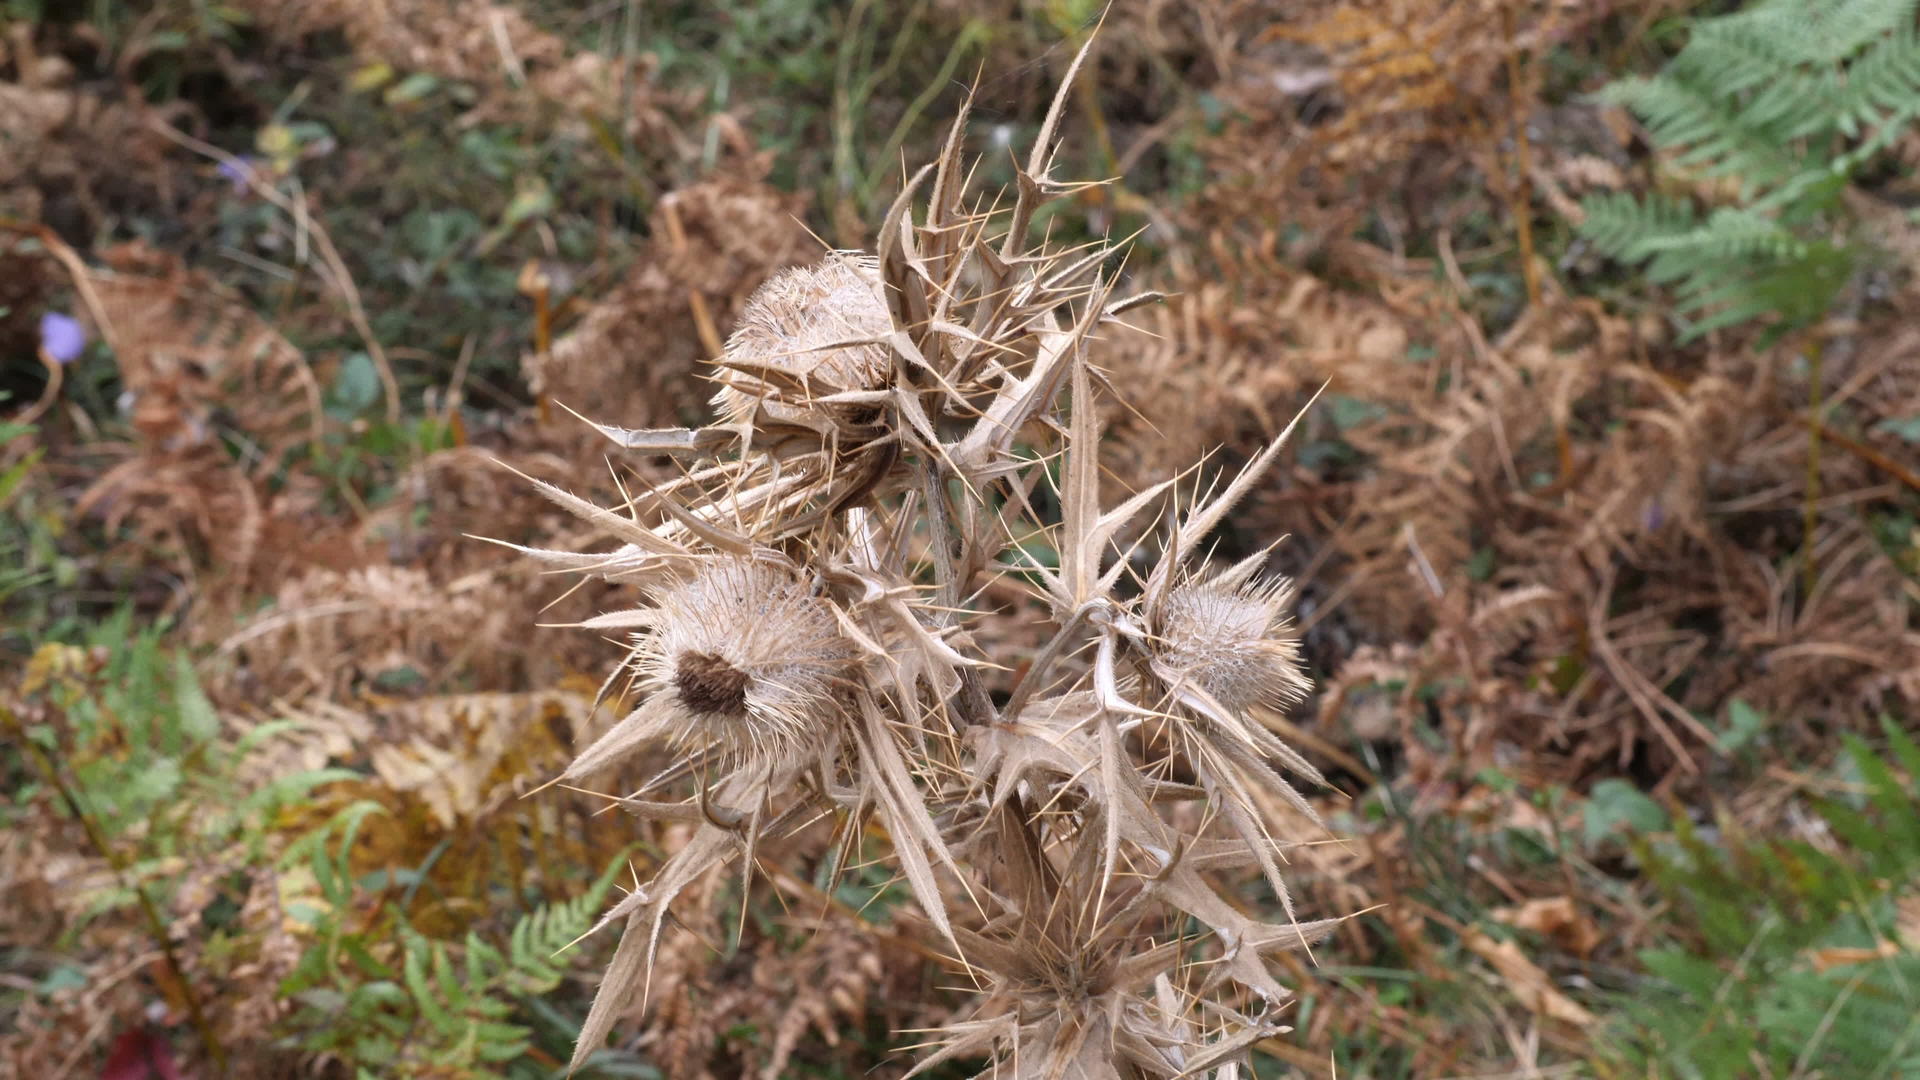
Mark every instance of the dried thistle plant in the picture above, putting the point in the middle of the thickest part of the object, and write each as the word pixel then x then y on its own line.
pixel 806 643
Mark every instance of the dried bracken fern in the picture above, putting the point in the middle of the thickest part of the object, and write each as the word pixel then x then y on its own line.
pixel 808 644
pixel 196 369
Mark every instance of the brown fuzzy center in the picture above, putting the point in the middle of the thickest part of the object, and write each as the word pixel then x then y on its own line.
pixel 707 683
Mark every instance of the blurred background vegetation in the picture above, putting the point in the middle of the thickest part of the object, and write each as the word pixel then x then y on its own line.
pixel 1605 530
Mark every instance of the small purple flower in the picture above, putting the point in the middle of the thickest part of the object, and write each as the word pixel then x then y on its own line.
pixel 62 337
pixel 239 173
pixel 1653 516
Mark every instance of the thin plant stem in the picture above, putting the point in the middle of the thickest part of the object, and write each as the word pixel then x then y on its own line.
pixel 968 37
pixel 1521 192
pixel 1810 508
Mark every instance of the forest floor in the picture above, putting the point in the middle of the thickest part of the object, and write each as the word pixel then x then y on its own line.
pixel 1611 657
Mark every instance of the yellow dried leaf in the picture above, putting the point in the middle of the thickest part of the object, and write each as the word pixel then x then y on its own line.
pixel 370 77
pixel 1824 960
pixel 52 663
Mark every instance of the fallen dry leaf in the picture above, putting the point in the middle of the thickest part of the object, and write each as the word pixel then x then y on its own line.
pixel 1557 918
pixel 1525 979
pixel 140 1055
pixel 1824 960
pixel 1906 920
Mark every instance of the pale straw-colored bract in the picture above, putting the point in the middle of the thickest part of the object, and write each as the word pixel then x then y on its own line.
pixel 809 642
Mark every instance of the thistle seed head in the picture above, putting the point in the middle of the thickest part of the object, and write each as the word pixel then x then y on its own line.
pixel 801 323
pixel 1231 641
pixel 747 658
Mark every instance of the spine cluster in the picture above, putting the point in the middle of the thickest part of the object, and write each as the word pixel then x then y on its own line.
pixel 896 435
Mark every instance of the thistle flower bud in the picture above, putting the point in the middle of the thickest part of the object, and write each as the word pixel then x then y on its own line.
pixel 745 657
pixel 1231 641
pixel 801 323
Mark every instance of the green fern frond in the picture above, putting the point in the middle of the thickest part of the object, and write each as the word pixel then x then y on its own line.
pixel 1886 77
pixel 1800 967
pixel 539 939
pixel 464 1023
pixel 451 1008
pixel 1728 235
pixel 466 1009
pixel 1713 132
pixel 1790 99
pixel 1815 33
pixel 1625 228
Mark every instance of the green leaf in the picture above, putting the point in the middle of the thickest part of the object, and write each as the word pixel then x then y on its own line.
pixel 1894 801
pixel 370 77
pixel 1351 412
pixel 1905 751
pixel 334 876
pixel 1481 565
pixel 285 790
pixel 11 479
pixel 1905 427
pixel 533 200
pixel 1744 724
pixel 356 387
pixel 145 787
pixel 451 989
pixel 198 720
pixel 411 89
pixel 424 996
pixel 1613 803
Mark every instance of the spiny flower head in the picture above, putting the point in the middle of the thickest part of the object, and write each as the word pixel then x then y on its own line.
pixel 746 655
pixel 736 656
pixel 806 644
pixel 818 325
pixel 1231 640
